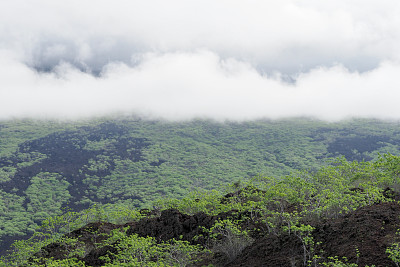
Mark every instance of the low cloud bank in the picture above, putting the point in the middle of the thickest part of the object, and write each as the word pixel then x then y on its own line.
pixel 180 60
pixel 182 86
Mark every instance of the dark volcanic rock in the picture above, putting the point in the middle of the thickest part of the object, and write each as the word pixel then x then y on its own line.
pixel 370 230
pixel 173 224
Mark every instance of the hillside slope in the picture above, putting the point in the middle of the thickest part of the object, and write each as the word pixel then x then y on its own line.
pixel 304 219
pixel 47 167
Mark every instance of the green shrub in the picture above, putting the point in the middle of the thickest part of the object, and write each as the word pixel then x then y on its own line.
pixel 228 238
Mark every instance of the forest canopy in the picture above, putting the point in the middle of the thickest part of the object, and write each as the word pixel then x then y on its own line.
pixel 50 167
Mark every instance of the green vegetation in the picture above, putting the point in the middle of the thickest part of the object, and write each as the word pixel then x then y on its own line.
pixel 289 206
pixel 228 238
pixel 393 251
pixel 47 167
pixel 145 251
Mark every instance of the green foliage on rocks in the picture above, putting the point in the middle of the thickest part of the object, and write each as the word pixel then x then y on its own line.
pixel 288 205
pixel 48 167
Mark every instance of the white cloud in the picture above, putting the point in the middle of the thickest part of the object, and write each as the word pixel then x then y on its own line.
pixel 182 59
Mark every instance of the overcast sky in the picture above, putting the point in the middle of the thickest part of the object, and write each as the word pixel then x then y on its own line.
pixel 184 59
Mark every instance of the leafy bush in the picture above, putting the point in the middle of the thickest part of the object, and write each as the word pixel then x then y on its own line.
pixel 228 238
pixel 336 262
pixel 133 250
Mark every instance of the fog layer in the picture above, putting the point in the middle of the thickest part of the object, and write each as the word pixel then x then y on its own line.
pixel 175 59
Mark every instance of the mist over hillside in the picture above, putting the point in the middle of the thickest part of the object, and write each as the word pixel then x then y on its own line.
pixel 120 104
